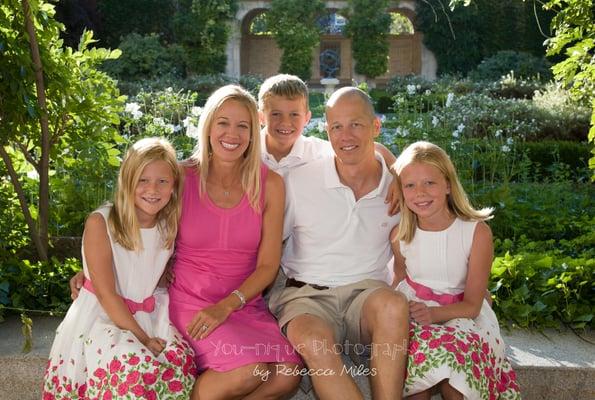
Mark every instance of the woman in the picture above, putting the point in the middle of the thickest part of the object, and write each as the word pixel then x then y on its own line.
pixel 227 251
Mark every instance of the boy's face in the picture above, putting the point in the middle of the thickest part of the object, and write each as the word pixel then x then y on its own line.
pixel 284 119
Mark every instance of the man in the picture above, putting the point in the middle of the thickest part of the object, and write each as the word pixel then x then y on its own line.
pixel 337 249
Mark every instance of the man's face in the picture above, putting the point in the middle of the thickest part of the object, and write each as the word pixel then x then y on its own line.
pixel 351 130
pixel 284 119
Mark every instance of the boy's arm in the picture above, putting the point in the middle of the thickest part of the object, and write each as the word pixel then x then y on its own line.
pixel 393 196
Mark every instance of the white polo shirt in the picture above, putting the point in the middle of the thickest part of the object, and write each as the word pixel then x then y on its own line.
pixel 332 239
pixel 305 150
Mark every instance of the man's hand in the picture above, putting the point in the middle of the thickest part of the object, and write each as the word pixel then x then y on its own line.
pixel 76 283
pixel 420 312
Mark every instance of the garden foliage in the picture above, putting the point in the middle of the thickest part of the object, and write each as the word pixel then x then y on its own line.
pixel 295 29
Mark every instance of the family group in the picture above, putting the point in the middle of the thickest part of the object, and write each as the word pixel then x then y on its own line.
pixel 360 254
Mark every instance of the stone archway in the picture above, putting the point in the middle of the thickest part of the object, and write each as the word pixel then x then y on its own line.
pixel 260 55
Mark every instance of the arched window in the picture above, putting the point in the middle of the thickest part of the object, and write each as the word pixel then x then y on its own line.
pixel 400 24
pixel 332 23
pixel 258 25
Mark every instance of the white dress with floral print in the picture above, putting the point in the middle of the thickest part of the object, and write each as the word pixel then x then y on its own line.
pixel 469 353
pixel 92 358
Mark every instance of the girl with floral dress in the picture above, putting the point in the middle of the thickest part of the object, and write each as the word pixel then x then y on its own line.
pixel 116 340
pixel 444 253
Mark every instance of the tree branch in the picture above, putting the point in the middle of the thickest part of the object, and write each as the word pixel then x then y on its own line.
pixel 23 202
pixel 28 156
pixel 44 161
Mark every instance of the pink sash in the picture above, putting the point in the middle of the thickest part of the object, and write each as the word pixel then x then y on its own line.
pixel 148 304
pixel 425 293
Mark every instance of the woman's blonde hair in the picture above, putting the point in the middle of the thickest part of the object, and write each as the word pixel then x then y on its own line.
pixel 122 219
pixel 458 202
pixel 250 167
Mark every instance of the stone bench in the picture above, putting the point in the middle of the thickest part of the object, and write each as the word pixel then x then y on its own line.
pixel 549 365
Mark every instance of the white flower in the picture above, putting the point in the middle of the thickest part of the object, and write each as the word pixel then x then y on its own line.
pixel 382 117
pixel 449 99
pixel 177 128
pixel 33 175
pixel 187 121
pixel 435 121
pixel 134 110
pixel 169 89
pixel 460 127
pixel 427 92
pixel 158 121
pixel 505 148
pixel 192 131
pixel 170 128
pixel 498 133
pixel 196 111
pixel 455 134
pixel 509 141
pixel 321 126
pixel 411 90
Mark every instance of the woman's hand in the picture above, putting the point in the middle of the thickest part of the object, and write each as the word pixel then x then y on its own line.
pixel 421 313
pixel 76 283
pixel 155 345
pixel 207 320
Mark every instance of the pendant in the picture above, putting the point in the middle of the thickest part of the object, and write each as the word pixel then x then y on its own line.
pixel 226 193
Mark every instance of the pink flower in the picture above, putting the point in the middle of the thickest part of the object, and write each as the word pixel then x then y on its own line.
pixel 501 387
pixel 475 357
pixel 134 360
pixel 122 389
pixel 476 372
pixel 132 377
pixel 419 358
pixel 460 358
pixel 447 338
pixel 114 366
pixel 107 395
pixel 68 387
pixel 138 390
pixel 171 355
pixel 56 381
pixel 151 395
pixel 450 347
pixel 82 390
pixel 425 335
pixel 489 372
pixel 485 348
pixel 175 386
pixel 114 380
pixel 147 358
pixel 450 329
pixel 189 360
pixel 48 396
pixel 100 373
pixel 149 378
pixel 168 374
pixel 413 346
pixel 434 343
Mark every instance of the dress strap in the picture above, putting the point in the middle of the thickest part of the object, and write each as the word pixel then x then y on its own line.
pixel 426 293
pixel 147 305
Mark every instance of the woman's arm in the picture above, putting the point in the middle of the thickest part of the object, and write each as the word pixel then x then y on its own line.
pixel 478 273
pixel 98 254
pixel 267 263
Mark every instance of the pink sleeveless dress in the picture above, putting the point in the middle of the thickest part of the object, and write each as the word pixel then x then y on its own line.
pixel 216 251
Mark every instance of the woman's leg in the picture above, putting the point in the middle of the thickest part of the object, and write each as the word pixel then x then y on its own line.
pixel 425 395
pixel 234 384
pixel 278 382
pixel 448 392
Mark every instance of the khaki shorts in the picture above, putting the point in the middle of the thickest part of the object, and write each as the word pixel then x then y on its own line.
pixel 340 306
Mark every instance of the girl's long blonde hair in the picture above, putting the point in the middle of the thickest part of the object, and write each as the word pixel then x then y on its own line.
pixel 250 167
pixel 122 219
pixel 458 202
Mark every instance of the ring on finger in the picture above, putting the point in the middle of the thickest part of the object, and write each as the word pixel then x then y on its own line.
pixel 204 327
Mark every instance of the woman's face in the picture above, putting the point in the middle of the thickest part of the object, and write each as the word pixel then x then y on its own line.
pixel 230 131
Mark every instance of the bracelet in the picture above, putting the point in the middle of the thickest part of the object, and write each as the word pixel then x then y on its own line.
pixel 241 297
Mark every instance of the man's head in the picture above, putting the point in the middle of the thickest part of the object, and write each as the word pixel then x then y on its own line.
pixel 283 108
pixel 351 125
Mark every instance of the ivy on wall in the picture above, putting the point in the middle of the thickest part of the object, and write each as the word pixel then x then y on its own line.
pixel 368 26
pixel 202 28
pixel 295 29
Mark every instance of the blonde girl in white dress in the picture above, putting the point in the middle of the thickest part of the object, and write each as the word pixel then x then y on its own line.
pixel 116 340
pixel 444 254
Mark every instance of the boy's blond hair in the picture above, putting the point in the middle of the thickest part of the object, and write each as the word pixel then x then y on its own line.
pixel 458 202
pixel 122 220
pixel 282 85
pixel 251 162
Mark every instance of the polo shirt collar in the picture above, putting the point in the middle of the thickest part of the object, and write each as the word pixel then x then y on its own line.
pixel 332 181
pixel 297 150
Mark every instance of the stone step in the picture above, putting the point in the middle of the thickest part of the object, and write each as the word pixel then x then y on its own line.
pixel 549 365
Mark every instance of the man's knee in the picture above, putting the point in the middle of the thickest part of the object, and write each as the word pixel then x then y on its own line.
pixel 386 305
pixel 311 336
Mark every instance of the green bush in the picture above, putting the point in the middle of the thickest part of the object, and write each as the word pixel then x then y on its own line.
pixel 523 65
pixel 548 153
pixel 145 57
